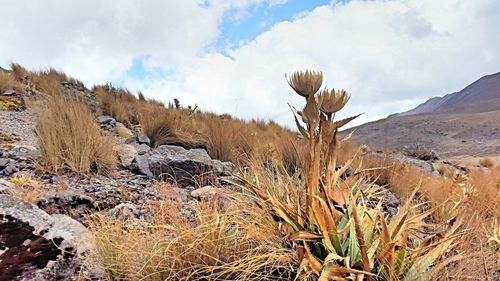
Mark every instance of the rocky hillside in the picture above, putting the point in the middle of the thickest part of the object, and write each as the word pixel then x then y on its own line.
pixel 101 184
pixel 43 225
pixel 462 123
pixel 481 96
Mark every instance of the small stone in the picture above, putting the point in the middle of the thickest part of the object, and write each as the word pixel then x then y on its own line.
pixel 104 119
pixel 126 154
pixel 205 192
pixel 5 186
pixel 143 139
pixel 4 162
pixel 10 169
pixel 142 148
pixel 140 165
pixel 9 93
pixel 123 131
pixel 125 211
pixel 25 152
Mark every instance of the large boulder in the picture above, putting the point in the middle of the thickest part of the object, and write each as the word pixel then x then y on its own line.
pixel 182 166
pixel 37 246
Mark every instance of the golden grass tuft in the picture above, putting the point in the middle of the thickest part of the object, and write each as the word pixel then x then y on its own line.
pixel 119 104
pixel 168 126
pixel 240 243
pixel 69 139
pixel 487 162
pixel 8 82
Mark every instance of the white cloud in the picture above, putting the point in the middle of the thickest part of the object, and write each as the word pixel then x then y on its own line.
pixel 390 55
pixel 97 41
pixel 273 3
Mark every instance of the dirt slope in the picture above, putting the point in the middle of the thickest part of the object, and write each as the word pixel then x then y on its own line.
pixel 462 123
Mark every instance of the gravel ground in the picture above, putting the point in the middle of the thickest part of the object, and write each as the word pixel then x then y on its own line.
pixel 20 124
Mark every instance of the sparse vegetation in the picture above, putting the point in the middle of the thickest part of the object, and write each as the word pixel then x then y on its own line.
pixel 298 217
pixel 8 82
pixel 487 162
pixel 239 243
pixel 69 139
pixel 338 232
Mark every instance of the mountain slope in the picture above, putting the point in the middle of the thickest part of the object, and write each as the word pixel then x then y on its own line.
pixel 463 123
pixel 481 96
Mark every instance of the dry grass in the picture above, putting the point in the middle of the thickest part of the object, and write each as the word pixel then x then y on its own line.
pixel 168 126
pixel 29 189
pixel 20 73
pixel 69 139
pixel 338 226
pixel 8 82
pixel 119 104
pixel 240 243
pixel 479 205
pixel 487 162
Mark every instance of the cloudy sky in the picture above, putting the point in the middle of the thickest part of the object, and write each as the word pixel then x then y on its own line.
pixel 232 55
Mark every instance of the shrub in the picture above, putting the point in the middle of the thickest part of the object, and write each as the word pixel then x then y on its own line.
pixel 69 139
pixel 487 162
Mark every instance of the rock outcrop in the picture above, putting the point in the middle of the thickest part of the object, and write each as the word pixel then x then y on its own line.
pixel 37 246
pixel 181 166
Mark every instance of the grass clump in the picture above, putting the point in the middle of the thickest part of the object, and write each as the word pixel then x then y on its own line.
pixel 169 126
pixel 487 162
pixel 9 82
pixel 69 139
pixel 117 103
pixel 239 243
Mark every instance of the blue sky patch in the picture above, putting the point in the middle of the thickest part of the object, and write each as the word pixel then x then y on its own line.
pixel 237 29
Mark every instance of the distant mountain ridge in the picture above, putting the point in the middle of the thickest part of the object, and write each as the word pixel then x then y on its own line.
pixel 481 96
pixel 462 123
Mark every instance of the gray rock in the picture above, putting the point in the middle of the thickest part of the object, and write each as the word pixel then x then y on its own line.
pixel 205 192
pixel 37 246
pixel 125 211
pixel 141 165
pixel 424 166
pixel 104 119
pixel 223 168
pixel 126 154
pixel 10 169
pixel 71 230
pixel 25 153
pixel 143 139
pixel 6 186
pixel 4 162
pixel 179 165
pixel 391 203
pixel 9 93
pixel 142 148
pixel 123 131
pixel 67 201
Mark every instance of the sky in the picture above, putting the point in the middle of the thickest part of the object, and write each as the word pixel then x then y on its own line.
pixel 231 56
